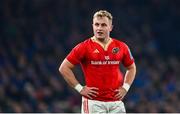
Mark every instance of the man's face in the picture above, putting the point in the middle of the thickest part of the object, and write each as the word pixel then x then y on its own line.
pixel 102 27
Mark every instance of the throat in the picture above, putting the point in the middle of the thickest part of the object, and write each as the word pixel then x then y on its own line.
pixel 104 43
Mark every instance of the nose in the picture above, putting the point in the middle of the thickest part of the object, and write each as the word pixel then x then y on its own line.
pixel 99 28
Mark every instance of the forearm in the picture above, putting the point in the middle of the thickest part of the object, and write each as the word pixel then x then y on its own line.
pixel 128 80
pixel 129 76
pixel 66 70
pixel 69 76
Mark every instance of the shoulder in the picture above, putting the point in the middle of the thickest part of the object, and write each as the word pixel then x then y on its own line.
pixel 119 43
pixel 83 44
pixel 87 41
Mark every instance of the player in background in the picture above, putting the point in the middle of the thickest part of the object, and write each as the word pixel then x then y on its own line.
pixel 100 57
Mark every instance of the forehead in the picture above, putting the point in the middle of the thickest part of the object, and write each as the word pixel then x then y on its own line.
pixel 101 20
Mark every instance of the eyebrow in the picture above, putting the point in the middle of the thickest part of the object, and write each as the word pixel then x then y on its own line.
pixel 100 23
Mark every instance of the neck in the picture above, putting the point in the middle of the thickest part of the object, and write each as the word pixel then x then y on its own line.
pixel 104 41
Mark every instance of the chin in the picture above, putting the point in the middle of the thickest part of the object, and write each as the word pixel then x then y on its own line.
pixel 100 38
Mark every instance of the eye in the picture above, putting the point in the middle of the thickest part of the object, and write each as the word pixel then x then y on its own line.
pixel 103 25
pixel 96 24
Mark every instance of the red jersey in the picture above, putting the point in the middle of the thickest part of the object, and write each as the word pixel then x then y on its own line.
pixel 102 67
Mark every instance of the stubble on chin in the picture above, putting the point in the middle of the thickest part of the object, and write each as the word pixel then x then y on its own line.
pixel 101 39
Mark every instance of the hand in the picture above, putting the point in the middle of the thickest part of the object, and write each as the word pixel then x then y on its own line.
pixel 120 93
pixel 89 92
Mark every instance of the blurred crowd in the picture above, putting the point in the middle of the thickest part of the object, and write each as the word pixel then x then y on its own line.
pixel 36 35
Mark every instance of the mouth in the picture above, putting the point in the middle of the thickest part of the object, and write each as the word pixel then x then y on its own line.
pixel 100 33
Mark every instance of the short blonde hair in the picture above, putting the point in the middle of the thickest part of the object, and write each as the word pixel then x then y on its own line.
pixel 103 13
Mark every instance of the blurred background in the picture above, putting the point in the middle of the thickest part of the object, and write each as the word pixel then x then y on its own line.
pixel 36 35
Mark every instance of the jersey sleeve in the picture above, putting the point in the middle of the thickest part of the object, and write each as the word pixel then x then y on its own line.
pixel 77 54
pixel 127 57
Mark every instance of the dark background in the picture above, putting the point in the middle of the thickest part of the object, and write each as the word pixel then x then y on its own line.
pixel 36 35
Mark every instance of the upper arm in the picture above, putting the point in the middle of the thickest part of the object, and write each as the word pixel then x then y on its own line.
pixel 128 59
pixel 77 54
pixel 132 66
pixel 67 64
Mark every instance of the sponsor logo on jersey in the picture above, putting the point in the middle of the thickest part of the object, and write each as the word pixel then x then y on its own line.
pixel 105 62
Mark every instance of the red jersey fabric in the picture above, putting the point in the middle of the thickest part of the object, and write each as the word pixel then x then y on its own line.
pixel 102 67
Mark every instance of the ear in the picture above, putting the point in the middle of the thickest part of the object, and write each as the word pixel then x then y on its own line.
pixel 111 27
